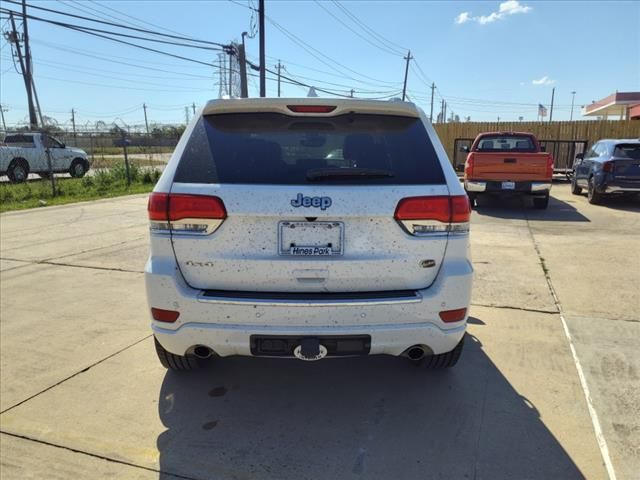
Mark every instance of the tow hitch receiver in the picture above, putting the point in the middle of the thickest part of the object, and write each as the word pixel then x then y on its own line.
pixel 310 350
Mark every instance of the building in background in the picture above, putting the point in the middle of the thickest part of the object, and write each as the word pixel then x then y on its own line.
pixel 618 105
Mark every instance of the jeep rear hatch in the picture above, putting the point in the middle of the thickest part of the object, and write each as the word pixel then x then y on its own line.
pixel 307 203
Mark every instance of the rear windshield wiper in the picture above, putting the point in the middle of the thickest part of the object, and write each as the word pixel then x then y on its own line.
pixel 319 173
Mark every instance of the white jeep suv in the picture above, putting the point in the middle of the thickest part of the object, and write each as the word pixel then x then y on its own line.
pixel 309 228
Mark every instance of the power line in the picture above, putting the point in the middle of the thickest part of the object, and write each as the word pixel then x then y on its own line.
pixel 378 46
pixel 391 45
pixel 301 43
pixel 129 43
pixel 119 25
pixel 118 34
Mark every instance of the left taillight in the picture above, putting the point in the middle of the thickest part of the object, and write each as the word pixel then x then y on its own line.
pixel 434 215
pixel 185 213
pixel 550 166
pixel 608 166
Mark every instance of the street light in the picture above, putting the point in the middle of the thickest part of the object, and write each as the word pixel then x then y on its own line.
pixel 573 97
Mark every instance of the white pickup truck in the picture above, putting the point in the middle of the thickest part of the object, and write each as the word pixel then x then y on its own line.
pixel 25 153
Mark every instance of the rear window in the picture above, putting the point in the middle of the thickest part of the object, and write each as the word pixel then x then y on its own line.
pixel 501 143
pixel 627 151
pixel 19 140
pixel 273 148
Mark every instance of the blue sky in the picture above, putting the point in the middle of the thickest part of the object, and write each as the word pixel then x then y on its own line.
pixel 488 59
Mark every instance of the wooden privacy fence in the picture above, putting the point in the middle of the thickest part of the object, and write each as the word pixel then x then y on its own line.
pixel 591 131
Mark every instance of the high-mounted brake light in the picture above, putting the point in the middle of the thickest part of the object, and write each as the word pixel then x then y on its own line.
pixel 434 215
pixel 184 213
pixel 311 108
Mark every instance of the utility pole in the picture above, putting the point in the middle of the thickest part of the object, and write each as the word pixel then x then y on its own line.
pixel 263 77
pixel 406 74
pixel 433 88
pixel 193 108
pixel 73 122
pixel 444 116
pixel 279 67
pixel 553 92
pixel 4 125
pixel 573 97
pixel 242 60
pixel 15 39
pixel 27 56
pixel 352 92
pixel 441 110
pixel 186 115
pixel 146 122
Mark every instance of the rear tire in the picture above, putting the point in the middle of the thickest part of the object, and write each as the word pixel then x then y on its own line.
pixel 575 189
pixel 541 202
pixel 593 196
pixel 18 171
pixel 444 360
pixel 175 362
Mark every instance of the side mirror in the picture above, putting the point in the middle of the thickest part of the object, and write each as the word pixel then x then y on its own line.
pixel 579 156
pixel 63 145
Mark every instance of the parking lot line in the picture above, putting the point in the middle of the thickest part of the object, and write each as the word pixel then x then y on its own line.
pixel 602 442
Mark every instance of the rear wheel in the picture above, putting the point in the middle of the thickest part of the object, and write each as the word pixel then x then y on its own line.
pixel 541 202
pixel 575 189
pixel 593 196
pixel 443 360
pixel 18 171
pixel 175 362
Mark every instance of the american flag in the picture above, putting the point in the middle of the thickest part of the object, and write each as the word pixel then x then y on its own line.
pixel 542 110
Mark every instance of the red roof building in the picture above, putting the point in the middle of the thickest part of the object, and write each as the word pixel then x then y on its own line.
pixel 624 105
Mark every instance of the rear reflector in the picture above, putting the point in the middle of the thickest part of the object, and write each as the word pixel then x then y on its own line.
pixel 311 108
pixel 185 213
pixel 449 316
pixel 168 316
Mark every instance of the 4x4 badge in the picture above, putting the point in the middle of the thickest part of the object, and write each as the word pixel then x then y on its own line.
pixel 302 201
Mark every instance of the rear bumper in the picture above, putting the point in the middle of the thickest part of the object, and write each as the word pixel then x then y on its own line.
pixel 477 186
pixel 226 325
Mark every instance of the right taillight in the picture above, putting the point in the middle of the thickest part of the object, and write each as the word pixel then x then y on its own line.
pixel 608 166
pixel 550 166
pixel 422 216
pixel 185 213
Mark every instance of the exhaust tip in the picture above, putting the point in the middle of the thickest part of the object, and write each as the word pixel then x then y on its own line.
pixel 416 353
pixel 202 352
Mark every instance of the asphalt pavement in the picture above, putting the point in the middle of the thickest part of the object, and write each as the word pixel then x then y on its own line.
pixel 548 385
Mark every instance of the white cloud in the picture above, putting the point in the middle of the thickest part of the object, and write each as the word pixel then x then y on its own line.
pixel 544 81
pixel 464 17
pixel 510 7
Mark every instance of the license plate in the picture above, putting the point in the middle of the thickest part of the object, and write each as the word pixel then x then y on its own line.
pixel 310 239
pixel 508 185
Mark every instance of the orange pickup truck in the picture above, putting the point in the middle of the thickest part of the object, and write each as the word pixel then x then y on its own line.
pixel 508 163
